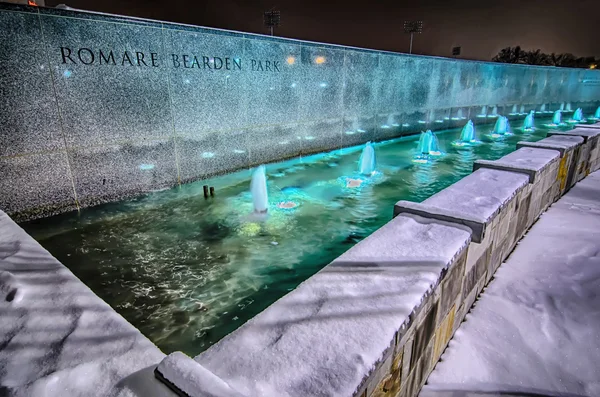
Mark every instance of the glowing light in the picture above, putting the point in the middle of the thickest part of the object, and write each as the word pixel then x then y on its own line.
pixel 286 205
pixel 349 132
pixel 361 131
pixel 422 122
pixel 309 138
pixel 293 85
pixel 353 183
pixel 291 60
pixel 67 73
pixel 284 142
pixel 146 167
pixel 420 160
pixel 593 66
pixel 405 125
pixel 323 85
pixel 439 121
pixel 250 229
pixel 320 60
pixel 208 155
pixel 239 151
pixel 385 126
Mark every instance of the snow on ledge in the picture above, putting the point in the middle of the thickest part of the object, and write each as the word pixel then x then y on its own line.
pixel 324 337
pixel 57 338
pixel 480 195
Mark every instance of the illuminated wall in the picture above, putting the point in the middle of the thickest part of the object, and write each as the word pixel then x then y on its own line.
pixel 96 108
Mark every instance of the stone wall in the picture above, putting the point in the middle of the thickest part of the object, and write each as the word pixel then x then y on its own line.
pixel 376 320
pixel 97 107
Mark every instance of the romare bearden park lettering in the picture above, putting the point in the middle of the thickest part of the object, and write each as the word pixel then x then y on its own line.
pixel 89 56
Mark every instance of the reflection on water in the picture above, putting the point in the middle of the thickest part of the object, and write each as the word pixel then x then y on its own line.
pixel 187 270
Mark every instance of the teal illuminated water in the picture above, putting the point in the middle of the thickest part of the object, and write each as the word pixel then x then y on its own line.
pixel 186 270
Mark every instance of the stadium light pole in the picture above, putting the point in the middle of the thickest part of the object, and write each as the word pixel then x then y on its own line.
pixel 412 27
pixel 272 19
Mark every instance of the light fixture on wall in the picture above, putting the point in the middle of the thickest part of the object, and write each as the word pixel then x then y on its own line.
pixel 320 60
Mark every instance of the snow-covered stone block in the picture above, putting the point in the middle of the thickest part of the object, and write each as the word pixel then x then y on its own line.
pixel 590 153
pixel 186 377
pixel 332 334
pixel 554 142
pixel 595 125
pixel 526 160
pixel 428 211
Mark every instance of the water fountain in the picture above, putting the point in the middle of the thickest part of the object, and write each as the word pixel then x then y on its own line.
pixel 428 144
pixel 483 112
pixel 568 107
pixel 258 189
pixel 467 135
pixel 355 128
pixel 597 114
pixel 543 108
pixel 494 112
pixel 501 128
pixel 459 115
pixel 556 119
pixel 577 116
pixel 562 107
pixel 522 111
pixel 367 160
pixel 514 110
pixel 528 123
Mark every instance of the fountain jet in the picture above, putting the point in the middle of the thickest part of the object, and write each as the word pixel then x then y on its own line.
pixel 597 114
pixel 528 123
pixel 367 160
pixel 467 134
pixel 428 144
pixel 501 127
pixel 258 189
pixel 578 115
pixel 557 118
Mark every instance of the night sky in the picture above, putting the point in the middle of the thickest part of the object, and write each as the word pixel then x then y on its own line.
pixel 480 27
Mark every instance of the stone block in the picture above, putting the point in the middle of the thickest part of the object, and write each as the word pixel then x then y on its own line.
pixel 442 335
pixel 376 380
pixel 561 143
pixel 406 360
pixel 476 272
pixel 529 161
pixel 424 333
pixel 452 284
pixel 523 216
pixel 477 228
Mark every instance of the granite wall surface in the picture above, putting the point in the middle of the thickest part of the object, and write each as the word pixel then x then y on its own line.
pixel 96 108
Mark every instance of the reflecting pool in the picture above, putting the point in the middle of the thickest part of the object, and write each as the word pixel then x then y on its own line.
pixel 186 270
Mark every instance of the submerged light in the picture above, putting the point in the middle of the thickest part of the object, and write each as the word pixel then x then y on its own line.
pixel 320 60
